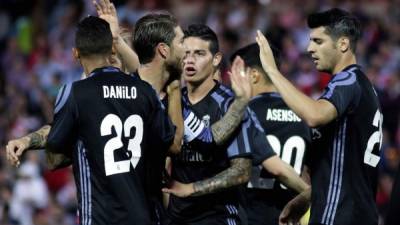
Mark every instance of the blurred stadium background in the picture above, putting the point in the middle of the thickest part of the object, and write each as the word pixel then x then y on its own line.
pixel 36 38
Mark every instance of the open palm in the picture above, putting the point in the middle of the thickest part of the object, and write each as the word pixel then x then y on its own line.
pixel 106 10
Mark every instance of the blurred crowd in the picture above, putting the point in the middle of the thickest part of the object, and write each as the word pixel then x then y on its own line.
pixel 36 38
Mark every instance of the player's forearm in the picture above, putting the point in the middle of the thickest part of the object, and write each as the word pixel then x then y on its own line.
pixel 306 194
pixel 305 107
pixel 224 128
pixel 238 173
pixel 292 180
pixel 285 173
pixel 38 139
pixel 175 114
pixel 128 56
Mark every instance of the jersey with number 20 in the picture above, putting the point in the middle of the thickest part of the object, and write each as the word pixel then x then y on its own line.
pixel 290 138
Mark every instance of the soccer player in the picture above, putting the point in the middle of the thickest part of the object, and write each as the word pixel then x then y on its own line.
pixel 289 136
pixel 161 36
pixel 206 174
pixel 111 119
pixel 37 139
pixel 343 167
pixel 165 50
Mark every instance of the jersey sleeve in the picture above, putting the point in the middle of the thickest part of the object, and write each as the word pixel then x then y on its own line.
pixel 260 147
pixel 63 135
pixel 251 140
pixel 343 92
pixel 161 125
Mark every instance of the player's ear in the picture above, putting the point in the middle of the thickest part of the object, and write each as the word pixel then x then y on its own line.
pixel 343 44
pixel 217 59
pixel 163 50
pixel 75 54
pixel 255 76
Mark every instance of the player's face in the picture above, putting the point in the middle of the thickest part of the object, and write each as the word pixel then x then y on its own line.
pixel 197 61
pixel 176 50
pixel 323 50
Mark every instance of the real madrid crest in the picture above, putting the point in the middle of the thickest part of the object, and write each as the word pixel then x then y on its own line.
pixel 206 120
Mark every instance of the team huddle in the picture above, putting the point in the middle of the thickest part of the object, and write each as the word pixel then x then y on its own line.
pixel 154 137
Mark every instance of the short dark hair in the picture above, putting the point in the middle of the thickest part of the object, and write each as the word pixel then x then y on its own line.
pixel 150 30
pixel 205 33
pixel 93 37
pixel 251 57
pixel 337 23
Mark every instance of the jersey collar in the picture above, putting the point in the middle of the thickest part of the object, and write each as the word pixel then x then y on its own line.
pixel 266 94
pixel 106 69
pixel 351 67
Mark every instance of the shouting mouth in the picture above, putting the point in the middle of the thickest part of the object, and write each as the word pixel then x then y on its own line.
pixel 190 70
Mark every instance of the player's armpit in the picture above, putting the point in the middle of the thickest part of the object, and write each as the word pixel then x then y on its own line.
pixel 57 160
pixel 237 173
pixel 224 128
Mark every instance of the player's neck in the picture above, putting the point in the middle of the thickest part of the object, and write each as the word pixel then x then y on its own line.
pixel 91 63
pixel 154 74
pixel 197 91
pixel 344 62
pixel 263 88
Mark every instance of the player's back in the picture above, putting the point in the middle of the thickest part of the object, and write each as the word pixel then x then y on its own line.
pixel 344 160
pixel 117 117
pixel 289 137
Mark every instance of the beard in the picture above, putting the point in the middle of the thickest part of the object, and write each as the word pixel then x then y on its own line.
pixel 175 72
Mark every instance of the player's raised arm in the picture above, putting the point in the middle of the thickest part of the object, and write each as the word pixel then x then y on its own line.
pixel 106 10
pixel 223 129
pixel 314 112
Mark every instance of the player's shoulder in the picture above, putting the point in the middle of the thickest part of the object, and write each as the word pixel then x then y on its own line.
pixel 222 95
pixel 347 76
pixel 224 91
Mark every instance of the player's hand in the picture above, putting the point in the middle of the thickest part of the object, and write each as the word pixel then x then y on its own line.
pixel 15 148
pixel 179 189
pixel 266 55
pixel 106 10
pixel 240 79
pixel 174 86
pixel 294 210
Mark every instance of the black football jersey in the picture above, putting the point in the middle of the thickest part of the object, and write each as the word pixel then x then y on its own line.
pixel 289 137
pixel 201 158
pixel 345 153
pixel 111 118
